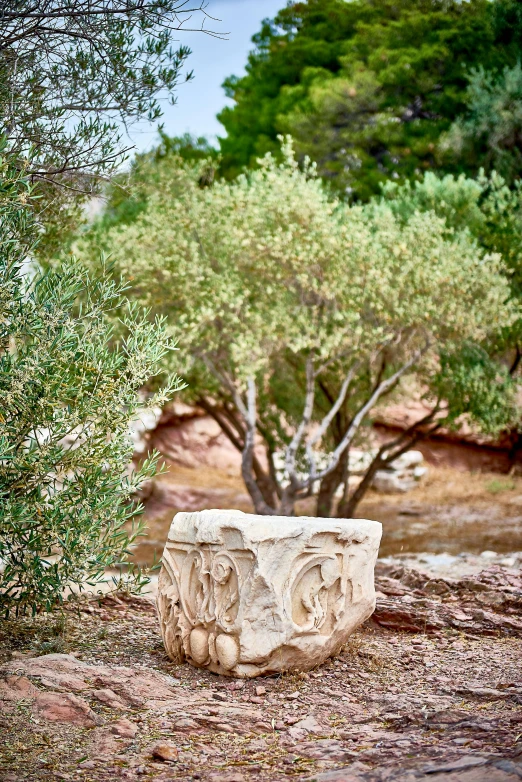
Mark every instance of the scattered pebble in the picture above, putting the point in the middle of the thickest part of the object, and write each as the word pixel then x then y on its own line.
pixel 165 751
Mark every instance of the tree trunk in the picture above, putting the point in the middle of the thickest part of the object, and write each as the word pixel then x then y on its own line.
pixel 236 434
pixel 265 483
pixel 348 505
pixel 328 487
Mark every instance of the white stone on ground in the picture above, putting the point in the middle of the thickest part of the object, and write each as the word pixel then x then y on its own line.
pixel 246 595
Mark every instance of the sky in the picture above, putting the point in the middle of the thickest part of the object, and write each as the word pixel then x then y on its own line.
pixel 212 60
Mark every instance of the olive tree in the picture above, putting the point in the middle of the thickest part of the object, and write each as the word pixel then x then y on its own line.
pixel 76 73
pixel 300 314
pixel 69 388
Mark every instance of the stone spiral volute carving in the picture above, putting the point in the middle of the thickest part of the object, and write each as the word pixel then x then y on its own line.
pixel 246 595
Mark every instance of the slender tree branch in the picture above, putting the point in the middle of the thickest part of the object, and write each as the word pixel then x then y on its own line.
pixel 248 452
pixel 360 415
pixel 327 420
pixel 405 440
pixel 516 361
pixel 292 449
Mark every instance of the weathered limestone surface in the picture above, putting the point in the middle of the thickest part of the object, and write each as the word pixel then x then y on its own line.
pixel 246 595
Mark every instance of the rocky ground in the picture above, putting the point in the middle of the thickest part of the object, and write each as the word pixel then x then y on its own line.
pixel 429 689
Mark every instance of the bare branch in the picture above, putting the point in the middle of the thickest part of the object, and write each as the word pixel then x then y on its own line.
pixel 223 424
pixel 249 415
pixel 227 382
pixel 327 420
pixel 248 452
pixel 360 415
pixel 292 449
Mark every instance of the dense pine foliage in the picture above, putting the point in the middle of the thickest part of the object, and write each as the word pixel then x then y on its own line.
pixel 369 88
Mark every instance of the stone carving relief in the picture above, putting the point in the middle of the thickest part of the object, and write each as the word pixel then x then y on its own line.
pixel 246 595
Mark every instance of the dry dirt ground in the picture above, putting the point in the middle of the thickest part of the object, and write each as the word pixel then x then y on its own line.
pixel 90 695
pixel 449 511
pixel 429 689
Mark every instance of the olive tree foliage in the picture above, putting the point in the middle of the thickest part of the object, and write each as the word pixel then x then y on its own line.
pixel 68 390
pixel 74 70
pixel 74 76
pixel 487 209
pixel 300 314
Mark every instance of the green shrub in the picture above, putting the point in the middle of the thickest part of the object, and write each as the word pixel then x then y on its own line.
pixel 68 388
pixel 497 485
pixel 301 314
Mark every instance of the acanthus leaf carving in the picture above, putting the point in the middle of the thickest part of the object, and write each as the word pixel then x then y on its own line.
pixel 246 595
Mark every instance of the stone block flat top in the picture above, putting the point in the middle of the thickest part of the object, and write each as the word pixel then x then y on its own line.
pixel 206 527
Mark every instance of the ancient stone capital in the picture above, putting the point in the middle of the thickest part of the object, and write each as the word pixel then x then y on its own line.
pixel 246 595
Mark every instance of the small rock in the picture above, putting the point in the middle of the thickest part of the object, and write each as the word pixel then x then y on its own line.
pixel 65 707
pixel 165 751
pixel 185 724
pixel 293 696
pixel 297 734
pixel 218 696
pixel 225 727
pixel 124 728
pixel 387 482
pixel 256 699
pixel 310 725
pixel 109 698
pixel 260 690
pixel 239 685
pixel 17 687
pixel 257 745
pixel 468 761
pixel 228 776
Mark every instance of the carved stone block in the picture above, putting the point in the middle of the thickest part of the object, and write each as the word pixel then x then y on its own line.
pixel 246 595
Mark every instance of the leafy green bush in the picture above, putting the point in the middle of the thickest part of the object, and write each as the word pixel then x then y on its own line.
pixel 68 389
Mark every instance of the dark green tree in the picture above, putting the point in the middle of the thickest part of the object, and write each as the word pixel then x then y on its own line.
pixel 366 88
pixel 488 134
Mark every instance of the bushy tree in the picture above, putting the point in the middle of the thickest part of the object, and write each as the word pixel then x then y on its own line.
pixel 488 135
pixel 489 211
pixel 300 314
pixel 68 389
pixel 366 88
pixel 127 193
